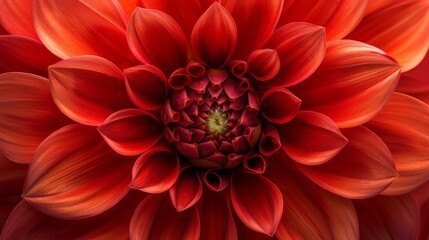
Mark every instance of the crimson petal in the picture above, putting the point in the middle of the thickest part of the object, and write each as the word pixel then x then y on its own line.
pixel 16 17
pixel 279 105
pixel 187 190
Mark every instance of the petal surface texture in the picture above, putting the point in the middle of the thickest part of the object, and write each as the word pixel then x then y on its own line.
pixel 17 17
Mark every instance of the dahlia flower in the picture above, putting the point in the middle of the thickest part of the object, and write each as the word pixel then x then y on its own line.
pixel 205 119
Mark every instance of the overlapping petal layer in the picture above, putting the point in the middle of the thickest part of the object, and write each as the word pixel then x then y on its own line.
pixel 17 17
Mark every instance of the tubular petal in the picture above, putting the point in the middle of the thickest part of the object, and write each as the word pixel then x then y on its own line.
pixel 403 126
pixel 254 163
pixel 301 48
pixel 156 170
pixel 156 218
pixel 393 218
pixel 67 178
pixel 338 17
pixel 400 29
pixel 311 138
pixel 155 38
pixel 260 15
pixel 16 17
pixel 88 89
pixel 27 115
pixel 259 207
pixel 352 85
pixel 279 105
pixel 146 86
pixel 364 168
pixel 310 212
pixel 23 54
pixel 131 131
pixel 90 27
pixel 187 190
pixel 214 36
pixel 28 223
pixel 270 140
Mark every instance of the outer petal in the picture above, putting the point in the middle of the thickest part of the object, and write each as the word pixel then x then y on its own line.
pixel 338 17
pixel 352 84
pixel 88 89
pixel 256 201
pixel 311 138
pixel 146 86
pixel 310 212
pixel 131 131
pixel 400 29
pixel 27 115
pixel 156 218
pixel 76 175
pixel 403 126
pixel 16 17
pixel 301 47
pixel 23 54
pixel 363 169
pixel 28 223
pixel 214 51
pixel 393 218
pixel 260 15
pixel 129 6
pixel 279 105
pixel 414 82
pixel 187 190
pixel 155 38
pixel 156 170
pixel 89 27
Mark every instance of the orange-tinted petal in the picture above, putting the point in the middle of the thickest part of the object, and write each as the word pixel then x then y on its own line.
pixel 214 36
pixel 69 28
pixel 156 218
pixel 352 84
pixel 279 105
pixel 301 47
pixel 128 6
pixel 310 212
pixel 88 89
pixel 393 218
pixel 155 38
pixel 338 17
pixel 403 126
pixel 138 79
pixel 364 168
pixel 255 19
pixel 187 190
pixel 131 131
pixel 27 115
pixel 76 175
pixel 311 138
pixel 23 54
pixel 400 29
pixel 28 223
pixel 16 17
pixel 256 201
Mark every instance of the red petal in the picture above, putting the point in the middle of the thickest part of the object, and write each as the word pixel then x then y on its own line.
pixel 76 175
pixel 217 222
pixel 352 84
pixel 156 218
pixel 301 47
pixel 388 217
pixel 70 29
pixel 400 29
pixel 311 138
pixel 338 17
pixel 216 21
pixel 310 212
pixel 279 105
pixel 28 223
pixel 128 6
pixel 16 17
pixel 27 115
pixel 156 170
pixel 264 64
pixel 187 190
pixel 256 201
pixel 155 38
pixel 146 86
pixel 131 131
pixel 88 89
pixel 12 177
pixel 403 126
pixel 363 169
pixel 255 19
pixel 270 140
pixel 254 163
pixel 23 54
pixel 7 204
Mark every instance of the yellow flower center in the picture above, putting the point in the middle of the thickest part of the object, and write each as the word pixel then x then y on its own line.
pixel 217 122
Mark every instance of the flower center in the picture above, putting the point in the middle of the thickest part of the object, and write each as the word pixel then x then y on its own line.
pixel 217 122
